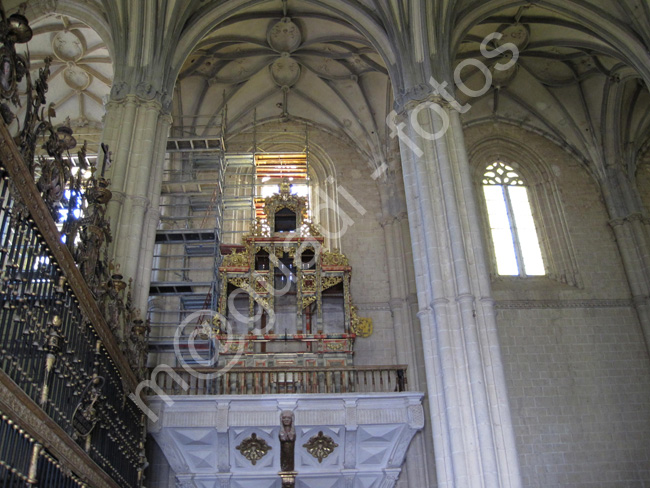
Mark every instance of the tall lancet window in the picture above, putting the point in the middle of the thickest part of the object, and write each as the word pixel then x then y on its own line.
pixel 512 227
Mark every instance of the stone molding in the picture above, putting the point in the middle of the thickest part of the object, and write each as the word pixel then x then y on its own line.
pixel 376 306
pixel 560 304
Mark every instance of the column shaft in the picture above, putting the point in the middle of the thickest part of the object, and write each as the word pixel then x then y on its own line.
pixel 472 428
pixel 136 133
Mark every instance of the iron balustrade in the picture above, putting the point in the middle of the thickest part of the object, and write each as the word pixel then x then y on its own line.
pixel 25 463
pixel 274 380
pixel 52 351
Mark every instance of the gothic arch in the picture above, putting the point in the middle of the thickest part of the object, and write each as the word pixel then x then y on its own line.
pixel 599 24
pixel 553 231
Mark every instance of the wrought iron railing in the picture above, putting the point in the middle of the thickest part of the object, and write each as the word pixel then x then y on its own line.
pixel 62 357
pixel 24 462
pixel 262 381
pixel 52 351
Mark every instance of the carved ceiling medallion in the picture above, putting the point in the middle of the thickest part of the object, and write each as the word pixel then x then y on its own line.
pixel 284 36
pixel 285 71
pixel 76 78
pixel 253 448
pixel 320 446
pixel 68 46
pixel 518 34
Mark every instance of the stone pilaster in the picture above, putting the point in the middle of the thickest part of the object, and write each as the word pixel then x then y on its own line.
pixel 473 437
pixel 136 132
pixel 632 231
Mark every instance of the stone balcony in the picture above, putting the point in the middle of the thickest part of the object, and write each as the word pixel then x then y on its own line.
pixel 204 438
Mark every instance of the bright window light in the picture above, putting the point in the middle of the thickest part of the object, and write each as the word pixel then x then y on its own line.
pixel 269 190
pixel 516 245
pixel 300 190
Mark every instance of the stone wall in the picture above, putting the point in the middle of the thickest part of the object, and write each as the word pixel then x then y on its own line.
pixel 576 364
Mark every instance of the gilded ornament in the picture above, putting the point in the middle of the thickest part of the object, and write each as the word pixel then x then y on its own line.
pixel 310 229
pixel 259 228
pixel 334 258
pixel 85 415
pixel 253 448
pixel 309 284
pixel 239 282
pixel 361 326
pixel 261 286
pixel 320 446
pixel 330 281
pixel 236 259
pixel 306 301
pixel 285 199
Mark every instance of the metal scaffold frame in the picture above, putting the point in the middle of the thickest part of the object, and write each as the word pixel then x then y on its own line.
pixel 204 167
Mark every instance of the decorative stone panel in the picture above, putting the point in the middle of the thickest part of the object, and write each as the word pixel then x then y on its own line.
pixel 357 440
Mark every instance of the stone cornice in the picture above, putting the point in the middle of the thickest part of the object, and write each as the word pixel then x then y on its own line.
pixel 559 304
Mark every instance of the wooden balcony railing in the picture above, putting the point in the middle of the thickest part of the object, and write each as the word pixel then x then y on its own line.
pixel 261 381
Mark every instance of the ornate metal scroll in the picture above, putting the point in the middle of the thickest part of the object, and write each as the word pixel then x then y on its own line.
pixel 85 415
pixel 253 448
pixel 320 446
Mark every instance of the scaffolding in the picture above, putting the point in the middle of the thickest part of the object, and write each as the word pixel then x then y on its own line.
pixel 208 199
pixel 187 251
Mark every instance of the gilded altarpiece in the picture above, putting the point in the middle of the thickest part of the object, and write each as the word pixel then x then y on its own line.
pixel 285 300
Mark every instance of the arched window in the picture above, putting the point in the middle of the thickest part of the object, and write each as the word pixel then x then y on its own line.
pixel 512 227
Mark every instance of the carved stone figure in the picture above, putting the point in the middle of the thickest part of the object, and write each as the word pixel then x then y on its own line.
pixel 287 440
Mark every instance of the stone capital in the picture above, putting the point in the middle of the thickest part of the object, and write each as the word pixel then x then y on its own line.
pixel 134 99
pixel 632 217
pixel 412 97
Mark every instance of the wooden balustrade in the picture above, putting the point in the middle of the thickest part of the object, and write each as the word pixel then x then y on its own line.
pixel 259 381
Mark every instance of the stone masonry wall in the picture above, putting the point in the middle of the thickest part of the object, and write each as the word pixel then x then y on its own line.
pixel 576 364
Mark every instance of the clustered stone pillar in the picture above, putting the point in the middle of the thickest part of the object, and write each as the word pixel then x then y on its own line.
pixel 136 133
pixel 632 231
pixel 420 459
pixel 473 436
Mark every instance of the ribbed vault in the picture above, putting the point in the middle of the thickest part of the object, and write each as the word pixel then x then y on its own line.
pixel 81 71
pixel 284 62
pixel 569 83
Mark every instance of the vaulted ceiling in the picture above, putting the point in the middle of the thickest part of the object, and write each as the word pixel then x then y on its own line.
pixel 270 63
pixel 568 83
pixel 81 71
pixel 578 78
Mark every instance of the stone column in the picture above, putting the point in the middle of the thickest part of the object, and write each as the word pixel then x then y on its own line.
pixel 632 230
pixel 136 132
pixel 407 348
pixel 472 429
